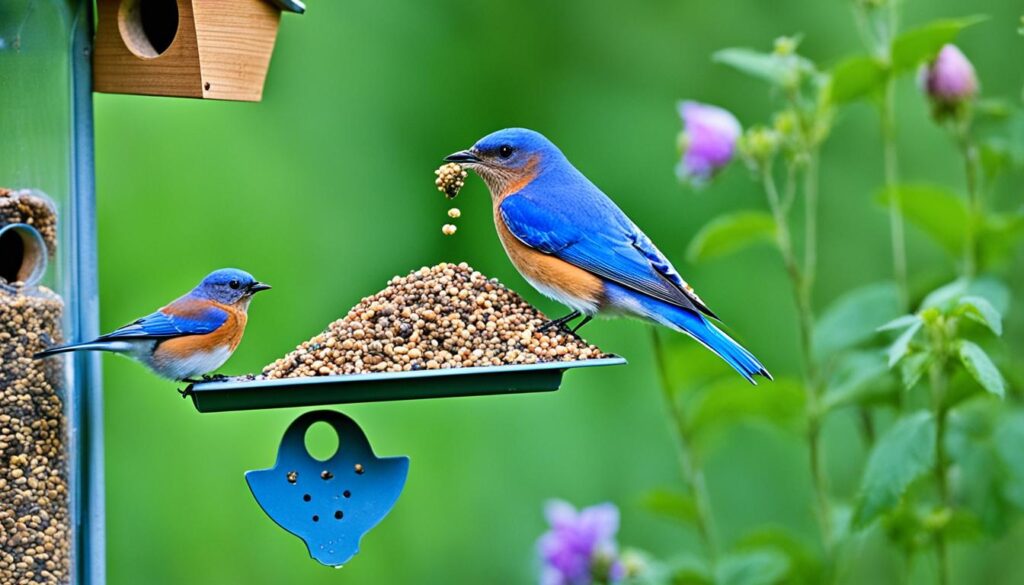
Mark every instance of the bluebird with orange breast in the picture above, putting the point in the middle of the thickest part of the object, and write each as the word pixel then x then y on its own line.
pixel 190 337
pixel 574 245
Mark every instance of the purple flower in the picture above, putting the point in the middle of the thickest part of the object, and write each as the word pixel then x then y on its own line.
pixel 708 141
pixel 949 80
pixel 580 548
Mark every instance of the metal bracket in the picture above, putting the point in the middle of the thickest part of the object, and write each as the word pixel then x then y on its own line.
pixel 329 504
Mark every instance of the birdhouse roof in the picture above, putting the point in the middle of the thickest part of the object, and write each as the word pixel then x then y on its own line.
pixel 290 5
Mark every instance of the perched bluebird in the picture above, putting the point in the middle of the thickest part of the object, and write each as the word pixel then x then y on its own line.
pixel 574 245
pixel 190 337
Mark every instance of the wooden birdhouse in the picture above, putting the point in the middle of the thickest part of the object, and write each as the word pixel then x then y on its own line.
pixel 216 49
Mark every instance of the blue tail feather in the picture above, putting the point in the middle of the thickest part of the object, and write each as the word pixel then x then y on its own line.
pixel 693 324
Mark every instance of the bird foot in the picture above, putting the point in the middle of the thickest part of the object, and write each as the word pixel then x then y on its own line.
pixel 562 323
pixel 186 392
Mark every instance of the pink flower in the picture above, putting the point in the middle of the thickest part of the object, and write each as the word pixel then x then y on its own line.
pixel 708 141
pixel 580 548
pixel 949 80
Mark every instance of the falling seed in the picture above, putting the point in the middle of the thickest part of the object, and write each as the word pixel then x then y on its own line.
pixel 359 468
pixel 293 476
pixel 454 213
pixel 448 229
pixel 325 474
pixel 450 179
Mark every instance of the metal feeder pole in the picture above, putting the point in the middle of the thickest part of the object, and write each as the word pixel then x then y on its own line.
pixel 87 390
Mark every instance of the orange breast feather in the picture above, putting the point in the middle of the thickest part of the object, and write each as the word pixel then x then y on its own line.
pixel 548 270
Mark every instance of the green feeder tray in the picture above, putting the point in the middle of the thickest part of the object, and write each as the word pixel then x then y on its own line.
pixel 242 394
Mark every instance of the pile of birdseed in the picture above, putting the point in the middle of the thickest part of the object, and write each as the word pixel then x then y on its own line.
pixel 445 316
pixel 26 206
pixel 34 507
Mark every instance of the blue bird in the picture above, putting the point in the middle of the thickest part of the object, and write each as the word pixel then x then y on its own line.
pixel 574 245
pixel 190 337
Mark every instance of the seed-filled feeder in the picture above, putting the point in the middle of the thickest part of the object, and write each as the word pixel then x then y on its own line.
pixel 445 331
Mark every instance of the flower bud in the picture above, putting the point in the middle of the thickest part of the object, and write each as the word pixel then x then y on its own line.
pixel 708 141
pixel 758 146
pixel 949 80
pixel 786 46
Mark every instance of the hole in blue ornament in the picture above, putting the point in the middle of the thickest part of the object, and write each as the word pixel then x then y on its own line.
pixel 321 441
pixel 306 497
pixel 316 518
pixel 347 494
pixel 338 515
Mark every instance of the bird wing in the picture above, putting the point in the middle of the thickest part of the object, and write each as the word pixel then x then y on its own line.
pixel 610 247
pixel 182 317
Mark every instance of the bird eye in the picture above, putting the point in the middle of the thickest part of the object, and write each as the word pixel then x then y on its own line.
pixel 234 284
pixel 505 151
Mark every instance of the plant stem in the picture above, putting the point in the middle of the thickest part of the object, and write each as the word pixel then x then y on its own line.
pixel 801 293
pixel 810 223
pixel 693 474
pixel 891 168
pixel 938 383
pixel 975 211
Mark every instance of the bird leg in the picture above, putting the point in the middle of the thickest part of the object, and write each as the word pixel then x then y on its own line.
pixel 582 323
pixel 186 392
pixel 560 322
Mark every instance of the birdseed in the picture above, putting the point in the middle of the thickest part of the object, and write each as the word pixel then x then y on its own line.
pixel 34 209
pixel 450 179
pixel 34 515
pixel 35 523
pixel 448 229
pixel 454 213
pixel 442 317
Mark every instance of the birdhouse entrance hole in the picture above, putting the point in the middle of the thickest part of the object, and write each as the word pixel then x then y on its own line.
pixel 321 441
pixel 148 27
pixel 22 254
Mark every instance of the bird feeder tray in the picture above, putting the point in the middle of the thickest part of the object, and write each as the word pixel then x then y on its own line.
pixel 241 394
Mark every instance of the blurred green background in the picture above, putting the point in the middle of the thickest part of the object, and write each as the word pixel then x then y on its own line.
pixel 325 191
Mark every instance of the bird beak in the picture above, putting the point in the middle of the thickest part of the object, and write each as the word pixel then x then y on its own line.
pixel 463 157
pixel 258 286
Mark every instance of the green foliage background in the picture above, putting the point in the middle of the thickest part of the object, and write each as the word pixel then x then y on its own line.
pixel 325 191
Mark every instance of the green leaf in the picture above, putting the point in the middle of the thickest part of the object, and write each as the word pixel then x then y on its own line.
pixel 729 233
pixel 979 309
pixel 804 565
pixel 775 69
pixel 732 399
pixel 974 447
pixel 981 368
pixel 946 297
pixel 921 44
pixel 764 567
pixel 901 322
pixel 901 347
pixel 855 78
pixel 903 454
pixel 913 367
pixel 690 570
pixel 855 317
pixel 935 210
pixel 858 378
pixel 1000 234
pixel 1009 436
pixel 671 504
